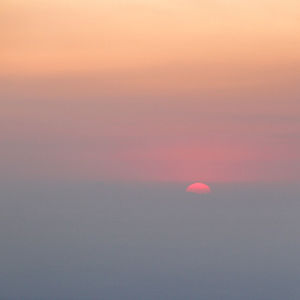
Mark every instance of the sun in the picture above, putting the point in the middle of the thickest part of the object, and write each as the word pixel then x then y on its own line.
pixel 198 188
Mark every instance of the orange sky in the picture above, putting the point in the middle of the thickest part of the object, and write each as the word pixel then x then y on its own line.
pixel 150 89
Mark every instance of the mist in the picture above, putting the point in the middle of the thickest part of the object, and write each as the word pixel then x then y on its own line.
pixel 89 240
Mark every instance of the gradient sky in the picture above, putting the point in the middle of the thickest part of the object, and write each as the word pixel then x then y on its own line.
pixel 151 90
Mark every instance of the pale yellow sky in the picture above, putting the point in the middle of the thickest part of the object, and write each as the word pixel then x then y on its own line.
pixel 50 37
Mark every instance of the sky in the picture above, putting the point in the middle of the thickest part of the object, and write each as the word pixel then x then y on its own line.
pixel 150 90
pixel 109 109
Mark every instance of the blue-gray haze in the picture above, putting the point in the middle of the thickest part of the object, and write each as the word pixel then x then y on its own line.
pixel 149 242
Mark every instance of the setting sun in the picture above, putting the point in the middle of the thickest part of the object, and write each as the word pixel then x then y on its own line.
pixel 198 188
